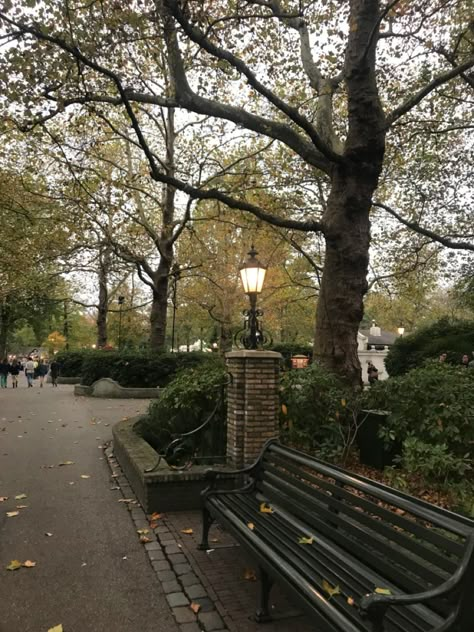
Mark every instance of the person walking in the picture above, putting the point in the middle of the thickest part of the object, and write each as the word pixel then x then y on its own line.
pixel 372 373
pixel 30 371
pixel 42 371
pixel 54 371
pixel 15 368
pixel 4 370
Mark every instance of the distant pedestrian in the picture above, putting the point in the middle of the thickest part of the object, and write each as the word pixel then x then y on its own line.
pixel 30 372
pixel 4 370
pixel 54 371
pixel 372 372
pixel 15 368
pixel 465 360
pixel 443 356
pixel 42 371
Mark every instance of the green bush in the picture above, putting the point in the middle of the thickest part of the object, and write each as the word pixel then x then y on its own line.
pixel 71 362
pixel 185 404
pixel 138 370
pixel 434 404
pixel 318 412
pixel 453 337
pixel 435 462
pixel 288 350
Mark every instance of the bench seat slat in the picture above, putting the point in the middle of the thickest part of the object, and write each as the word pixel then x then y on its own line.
pixel 282 536
pixel 324 561
pixel 431 534
pixel 331 506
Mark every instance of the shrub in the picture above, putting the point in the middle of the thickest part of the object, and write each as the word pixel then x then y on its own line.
pixel 435 462
pixel 289 349
pixel 185 404
pixel 434 404
pixel 318 412
pixel 137 370
pixel 414 350
pixel 71 362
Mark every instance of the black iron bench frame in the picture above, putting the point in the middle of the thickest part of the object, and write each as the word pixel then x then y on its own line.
pixel 455 588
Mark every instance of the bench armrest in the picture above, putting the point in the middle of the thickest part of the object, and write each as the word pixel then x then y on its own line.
pixel 218 475
pixel 374 606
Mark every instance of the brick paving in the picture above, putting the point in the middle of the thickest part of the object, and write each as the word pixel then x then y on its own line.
pixel 221 582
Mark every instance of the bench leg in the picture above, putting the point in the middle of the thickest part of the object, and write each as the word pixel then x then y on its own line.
pixel 266 582
pixel 207 521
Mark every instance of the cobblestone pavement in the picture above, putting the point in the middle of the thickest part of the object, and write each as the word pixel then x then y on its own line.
pixel 207 591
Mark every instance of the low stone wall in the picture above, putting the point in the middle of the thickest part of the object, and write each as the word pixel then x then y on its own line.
pixel 163 489
pixel 108 388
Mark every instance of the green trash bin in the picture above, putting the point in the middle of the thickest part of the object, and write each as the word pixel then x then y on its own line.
pixel 373 451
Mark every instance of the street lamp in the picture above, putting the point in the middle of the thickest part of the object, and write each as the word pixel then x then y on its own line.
pixel 121 301
pixel 401 330
pixel 252 274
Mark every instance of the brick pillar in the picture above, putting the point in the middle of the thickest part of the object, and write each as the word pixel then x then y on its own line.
pixel 252 403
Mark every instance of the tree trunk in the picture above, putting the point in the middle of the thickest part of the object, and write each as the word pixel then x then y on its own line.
pixel 159 307
pixel 344 280
pixel 102 309
pixel 226 337
pixel 4 325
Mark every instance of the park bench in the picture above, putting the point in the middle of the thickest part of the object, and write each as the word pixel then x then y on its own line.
pixel 356 555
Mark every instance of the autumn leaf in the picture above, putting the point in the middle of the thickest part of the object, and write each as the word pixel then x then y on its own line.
pixel 284 409
pixel 343 402
pixel 195 607
pixel 214 540
pixel 264 508
pixel 383 591
pixel 57 628
pixel 251 525
pixel 330 590
pixel 21 496
pixel 143 531
pixel 350 601
pixel 14 565
pixel 250 575
pixel 65 463
pixel 155 516
pixel 144 539
pixel 29 564
pixel 3 499
pixel 187 531
pixel 125 500
pixel 12 514
pixel 48 534
pixel 85 476
pixel 153 525
pixel 22 506
pixel 304 540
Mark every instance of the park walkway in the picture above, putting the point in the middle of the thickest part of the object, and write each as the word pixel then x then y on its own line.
pixel 91 573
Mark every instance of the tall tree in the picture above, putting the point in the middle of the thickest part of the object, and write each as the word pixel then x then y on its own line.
pixel 335 85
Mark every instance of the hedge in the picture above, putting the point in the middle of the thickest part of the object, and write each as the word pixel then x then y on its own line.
pixel 455 337
pixel 129 369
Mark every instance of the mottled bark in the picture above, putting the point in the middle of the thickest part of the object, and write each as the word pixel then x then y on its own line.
pixel 102 310
pixel 159 307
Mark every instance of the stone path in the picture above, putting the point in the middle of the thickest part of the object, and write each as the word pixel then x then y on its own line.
pixel 92 574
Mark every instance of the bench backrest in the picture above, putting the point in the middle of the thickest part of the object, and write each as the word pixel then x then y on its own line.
pixel 412 544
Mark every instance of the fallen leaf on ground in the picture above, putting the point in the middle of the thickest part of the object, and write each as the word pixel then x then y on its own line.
pixel 251 525
pixel 57 628
pixel 213 540
pixel 12 514
pixel 330 590
pixel 250 575
pixel 48 534
pixel 14 565
pixel 65 463
pixel 85 476
pixel 21 496
pixel 187 531
pixel 125 500
pixel 284 409
pixel 264 508
pixel 3 498
pixel 144 539
pixel 143 531
pixel 21 506
pixel 29 564
pixel 304 540
pixel 195 607
pixel 383 591
pixel 350 601
pixel 155 516
pixel 153 525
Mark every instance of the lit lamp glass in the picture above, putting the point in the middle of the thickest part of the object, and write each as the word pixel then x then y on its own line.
pixel 401 331
pixel 252 274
